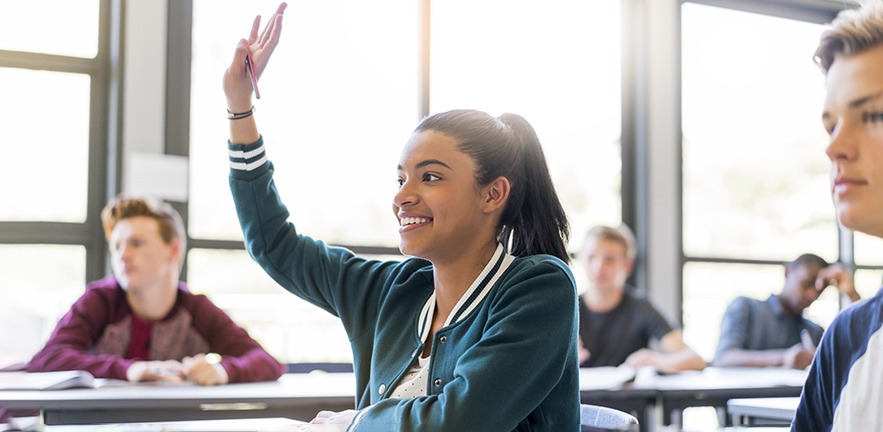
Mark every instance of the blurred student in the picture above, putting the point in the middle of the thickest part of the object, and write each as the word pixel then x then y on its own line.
pixel 774 332
pixel 616 327
pixel 843 391
pixel 143 324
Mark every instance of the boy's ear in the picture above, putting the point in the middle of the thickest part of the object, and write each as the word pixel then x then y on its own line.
pixel 177 253
pixel 496 194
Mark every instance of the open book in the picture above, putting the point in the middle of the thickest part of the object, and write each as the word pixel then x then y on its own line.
pixel 45 380
pixel 606 377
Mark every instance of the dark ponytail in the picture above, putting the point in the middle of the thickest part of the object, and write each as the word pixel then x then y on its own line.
pixel 533 221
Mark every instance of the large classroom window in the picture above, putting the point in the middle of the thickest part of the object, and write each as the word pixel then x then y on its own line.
pixel 755 185
pixel 55 135
pixel 341 97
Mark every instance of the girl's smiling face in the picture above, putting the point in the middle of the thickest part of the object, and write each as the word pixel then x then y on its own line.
pixel 439 206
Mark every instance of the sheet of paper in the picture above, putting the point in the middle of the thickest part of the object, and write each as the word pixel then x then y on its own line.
pixel 239 425
pixel 605 378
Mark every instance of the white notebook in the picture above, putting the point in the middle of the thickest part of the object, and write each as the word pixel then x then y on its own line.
pixel 45 380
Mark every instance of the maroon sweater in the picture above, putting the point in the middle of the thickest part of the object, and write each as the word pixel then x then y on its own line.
pixel 94 336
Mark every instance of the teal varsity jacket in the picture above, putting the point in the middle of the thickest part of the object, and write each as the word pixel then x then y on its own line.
pixel 507 362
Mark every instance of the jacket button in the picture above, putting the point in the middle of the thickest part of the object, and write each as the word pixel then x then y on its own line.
pixel 443 339
pixel 381 389
pixel 437 382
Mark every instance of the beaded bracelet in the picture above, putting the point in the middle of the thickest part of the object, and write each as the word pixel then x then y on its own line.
pixel 239 116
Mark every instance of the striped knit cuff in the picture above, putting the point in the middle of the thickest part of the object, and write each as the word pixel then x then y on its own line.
pixel 247 161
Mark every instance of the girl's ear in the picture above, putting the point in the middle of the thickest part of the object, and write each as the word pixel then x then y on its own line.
pixel 496 194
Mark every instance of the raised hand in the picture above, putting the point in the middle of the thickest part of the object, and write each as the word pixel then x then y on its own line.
pixel 237 83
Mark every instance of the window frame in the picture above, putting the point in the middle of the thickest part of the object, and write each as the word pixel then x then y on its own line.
pixel 104 71
pixel 814 11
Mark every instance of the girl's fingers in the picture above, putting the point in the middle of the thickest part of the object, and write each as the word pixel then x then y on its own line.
pixel 253 35
pixel 272 23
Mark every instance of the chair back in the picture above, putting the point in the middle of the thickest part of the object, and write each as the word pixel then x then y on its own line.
pixel 594 418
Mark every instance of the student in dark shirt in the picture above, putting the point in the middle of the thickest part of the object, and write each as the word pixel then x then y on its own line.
pixel 617 327
pixel 769 332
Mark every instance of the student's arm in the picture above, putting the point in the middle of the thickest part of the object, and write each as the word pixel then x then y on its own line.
pixel 839 276
pixel 68 346
pixel 734 337
pixel 796 357
pixel 675 356
pixel 242 358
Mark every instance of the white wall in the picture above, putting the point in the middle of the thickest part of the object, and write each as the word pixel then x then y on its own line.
pixel 146 169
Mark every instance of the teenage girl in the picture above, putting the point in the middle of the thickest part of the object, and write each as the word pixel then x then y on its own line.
pixel 477 330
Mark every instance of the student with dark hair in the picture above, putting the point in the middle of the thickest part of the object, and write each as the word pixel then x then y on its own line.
pixel 477 330
pixel 771 332
pixel 142 323
pixel 843 390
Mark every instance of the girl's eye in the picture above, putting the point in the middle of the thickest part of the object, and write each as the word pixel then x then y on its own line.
pixel 873 117
pixel 829 128
pixel 400 182
pixel 430 177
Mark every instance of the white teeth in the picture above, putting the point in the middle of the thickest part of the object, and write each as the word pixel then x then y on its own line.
pixel 412 220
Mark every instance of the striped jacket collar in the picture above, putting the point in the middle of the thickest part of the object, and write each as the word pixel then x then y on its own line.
pixel 473 296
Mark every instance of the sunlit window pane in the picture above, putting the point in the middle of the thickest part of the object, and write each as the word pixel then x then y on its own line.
pixel 868 249
pixel 54 130
pixel 755 173
pixel 868 282
pixel 38 284
pixel 709 288
pixel 541 60
pixel 289 328
pixel 63 27
pixel 338 104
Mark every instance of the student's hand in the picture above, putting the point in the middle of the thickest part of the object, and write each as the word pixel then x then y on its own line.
pixel 797 357
pixel 839 276
pixel 205 369
pixel 583 353
pixel 237 82
pixel 156 371
pixel 640 358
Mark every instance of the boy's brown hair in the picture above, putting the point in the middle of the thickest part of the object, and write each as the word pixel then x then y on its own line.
pixel 171 226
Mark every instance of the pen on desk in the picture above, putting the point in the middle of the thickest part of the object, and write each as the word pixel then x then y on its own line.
pixel 806 340
pixel 249 66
